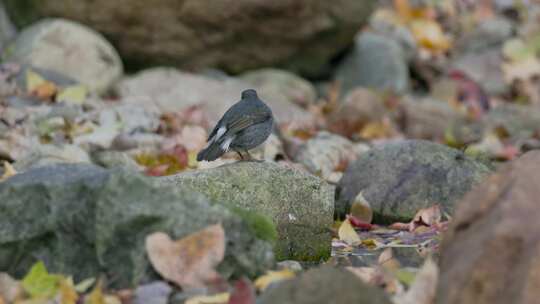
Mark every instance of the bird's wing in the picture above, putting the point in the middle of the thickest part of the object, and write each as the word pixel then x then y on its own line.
pixel 214 131
pixel 245 121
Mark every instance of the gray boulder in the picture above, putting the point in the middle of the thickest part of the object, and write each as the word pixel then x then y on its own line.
pixel 173 90
pixel 376 62
pixel 294 88
pixel 84 221
pixel 325 285
pixel 400 178
pixel 69 48
pixel 300 205
pixel 299 35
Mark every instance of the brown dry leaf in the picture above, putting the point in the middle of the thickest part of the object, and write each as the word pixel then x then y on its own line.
pixel 423 288
pixel 370 275
pixel 190 261
pixel 426 217
pixel 387 260
pixel 361 209
pixel 273 276
pixel 39 87
pixel 9 171
pixel 347 233
pixel 10 288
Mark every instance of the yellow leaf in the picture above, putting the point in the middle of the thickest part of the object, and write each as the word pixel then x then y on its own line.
pixel 9 171
pixel 96 296
pixel 38 86
pixel 33 80
pixel 73 94
pixel 68 295
pixel 220 298
pixel 347 233
pixel 273 276
pixel 429 34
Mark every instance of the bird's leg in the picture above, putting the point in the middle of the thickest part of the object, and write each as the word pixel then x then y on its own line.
pixel 241 156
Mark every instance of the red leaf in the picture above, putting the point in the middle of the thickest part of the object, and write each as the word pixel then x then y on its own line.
pixel 355 222
pixel 243 292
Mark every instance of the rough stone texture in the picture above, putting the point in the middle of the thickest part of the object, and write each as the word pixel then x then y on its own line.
pixel 274 82
pixel 232 35
pixel 399 178
pixel 301 205
pixel 426 118
pixel 376 62
pixel 325 285
pixel 359 107
pixel 484 68
pixel 68 48
pixel 173 90
pixel 488 33
pixel 491 252
pixel 84 220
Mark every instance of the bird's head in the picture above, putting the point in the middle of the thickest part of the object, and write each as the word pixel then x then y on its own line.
pixel 249 93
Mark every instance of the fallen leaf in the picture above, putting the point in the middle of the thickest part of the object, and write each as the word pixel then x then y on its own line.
pixel 39 87
pixel 358 223
pixel 73 94
pixel 10 288
pixel 400 226
pixel 347 233
pixel 387 260
pixel 424 286
pixel 84 285
pixel 243 292
pixel 38 283
pixel 430 35
pixel 68 294
pixel 190 261
pixel 426 217
pixel 273 276
pixel 220 298
pixel 9 171
pixel 96 296
pixel 361 209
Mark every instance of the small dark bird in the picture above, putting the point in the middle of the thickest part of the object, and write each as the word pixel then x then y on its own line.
pixel 244 126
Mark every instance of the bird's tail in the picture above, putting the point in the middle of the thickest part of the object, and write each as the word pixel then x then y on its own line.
pixel 210 153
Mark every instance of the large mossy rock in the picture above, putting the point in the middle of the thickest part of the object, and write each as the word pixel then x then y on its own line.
pixel 234 35
pixel 400 178
pixel 300 205
pixel 325 285
pixel 83 220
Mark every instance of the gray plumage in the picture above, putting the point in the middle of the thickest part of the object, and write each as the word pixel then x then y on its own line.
pixel 244 126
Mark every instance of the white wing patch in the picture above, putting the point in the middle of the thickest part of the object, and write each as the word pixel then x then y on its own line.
pixel 220 132
pixel 227 143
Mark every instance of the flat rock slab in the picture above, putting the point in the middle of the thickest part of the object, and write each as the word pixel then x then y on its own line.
pixel 300 205
pixel 84 221
pixel 402 177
